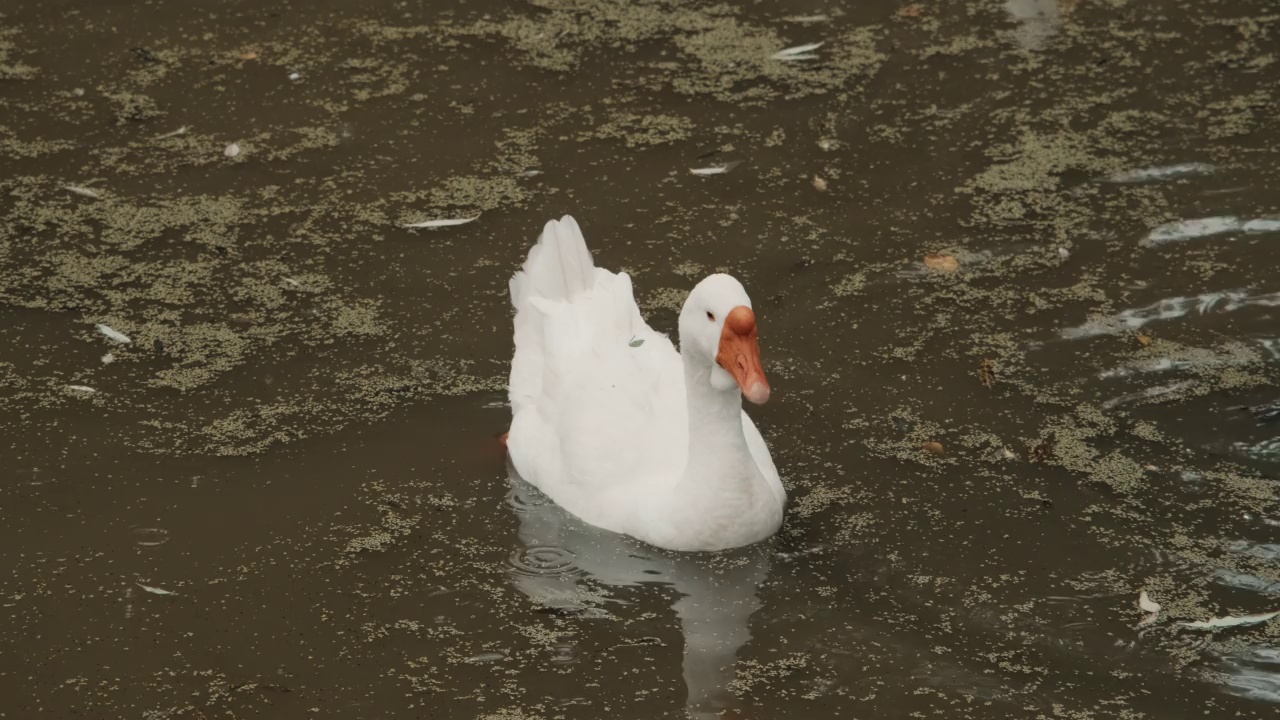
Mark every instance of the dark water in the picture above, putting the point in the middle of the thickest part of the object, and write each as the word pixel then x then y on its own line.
pixel 962 223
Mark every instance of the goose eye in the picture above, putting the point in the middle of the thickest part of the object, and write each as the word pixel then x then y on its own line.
pixel 711 316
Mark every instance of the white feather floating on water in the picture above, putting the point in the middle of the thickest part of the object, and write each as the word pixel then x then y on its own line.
pixel 1230 621
pixel 108 358
pixel 799 52
pixel 442 223
pixel 114 334
pixel 82 191
pixel 180 131
pixel 155 590
pixel 716 169
pixel 1147 604
pixel 82 389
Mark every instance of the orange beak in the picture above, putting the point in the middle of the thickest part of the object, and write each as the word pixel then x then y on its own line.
pixel 740 354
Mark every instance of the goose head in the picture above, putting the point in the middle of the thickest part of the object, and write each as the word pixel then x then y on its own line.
pixel 718 327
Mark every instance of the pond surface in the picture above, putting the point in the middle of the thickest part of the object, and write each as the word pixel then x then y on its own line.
pixel 1014 265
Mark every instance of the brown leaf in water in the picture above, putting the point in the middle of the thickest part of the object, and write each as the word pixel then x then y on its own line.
pixel 1144 339
pixel 934 448
pixel 941 263
pixel 987 372
pixel 1043 452
pixel 911 11
pixel 819 184
pixel 248 55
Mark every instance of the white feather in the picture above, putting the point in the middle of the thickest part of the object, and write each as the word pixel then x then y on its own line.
pixel 113 334
pixel 1230 621
pixel 442 223
pixel 82 191
pixel 716 169
pixel 799 52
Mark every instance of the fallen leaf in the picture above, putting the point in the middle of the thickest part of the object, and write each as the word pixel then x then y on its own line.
pixel 442 223
pixel 1043 451
pixel 933 447
pixel 1147 604
pixel 911 11
pixel 941 263
pixel 1144 339
pixel 1230 621
pixel 819 184
pixel 250 55
pixel 987 372
pixel 636 342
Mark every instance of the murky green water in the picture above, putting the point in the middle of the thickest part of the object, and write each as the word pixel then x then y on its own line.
pixel 1041 236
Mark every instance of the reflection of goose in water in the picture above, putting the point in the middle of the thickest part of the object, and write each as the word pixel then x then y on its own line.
pixel 561 555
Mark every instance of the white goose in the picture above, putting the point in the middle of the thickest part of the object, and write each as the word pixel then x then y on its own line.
pixel 621 430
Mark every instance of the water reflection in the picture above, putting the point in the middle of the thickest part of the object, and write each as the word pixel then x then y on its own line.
pixel 562 557
pixel 1253 673
pixel 1038 21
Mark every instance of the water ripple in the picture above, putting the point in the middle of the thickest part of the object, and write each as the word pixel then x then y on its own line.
pixel 545 561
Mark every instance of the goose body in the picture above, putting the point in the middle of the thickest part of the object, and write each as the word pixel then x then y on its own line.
pixel 620 429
